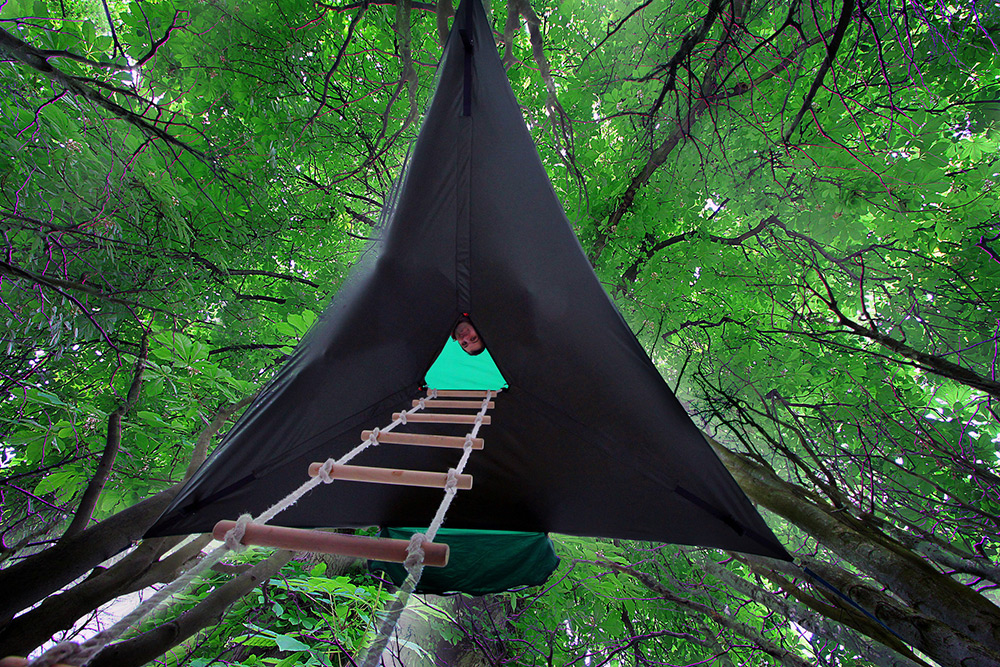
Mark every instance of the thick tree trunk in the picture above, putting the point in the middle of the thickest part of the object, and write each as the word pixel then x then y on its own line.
pixel 136 571
pixel 931 594
pixel 815 620
pixel 58 612
pixel 37 577
pixel 942 643
pixel 169 568
pixel 26 583
pixel 149 645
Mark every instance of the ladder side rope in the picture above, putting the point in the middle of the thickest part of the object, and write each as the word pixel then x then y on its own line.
pixel 414 563
pixel 80 654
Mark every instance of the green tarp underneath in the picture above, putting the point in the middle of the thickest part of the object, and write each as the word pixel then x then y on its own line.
pixel 481 561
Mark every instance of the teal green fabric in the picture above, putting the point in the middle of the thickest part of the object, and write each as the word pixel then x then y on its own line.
pixel 481 561
pixel 454 369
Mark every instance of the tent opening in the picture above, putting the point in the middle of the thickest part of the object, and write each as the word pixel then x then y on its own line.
pixel 454 369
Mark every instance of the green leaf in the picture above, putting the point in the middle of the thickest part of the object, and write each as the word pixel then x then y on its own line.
pixel 54 481
pixel 44 398
pixel 292 660
pixel 152 419
pixel 289 643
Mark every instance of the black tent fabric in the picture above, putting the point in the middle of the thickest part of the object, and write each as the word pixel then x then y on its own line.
pixel 588 439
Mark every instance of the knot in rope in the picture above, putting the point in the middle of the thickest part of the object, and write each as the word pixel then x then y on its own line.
pixel 420 403
pixel 451 484
pixel 324 471
pixel 415 551
pixel 467 445
pixel 434 393
pixel 373 438
pixel 479 420
pixel 234 538
pixel 402 418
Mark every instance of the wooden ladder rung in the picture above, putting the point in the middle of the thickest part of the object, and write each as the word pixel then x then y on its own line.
pixel 391 476
pixel 439 418
pixel 438 403
pixel 394 438
pixel 356 546
pixel 460 393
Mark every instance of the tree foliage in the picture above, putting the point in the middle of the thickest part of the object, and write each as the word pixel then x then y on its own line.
pixel 793 203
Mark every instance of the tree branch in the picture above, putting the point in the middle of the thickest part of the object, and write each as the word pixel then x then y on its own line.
pixel 25 53
pixel 247 346
pixel 929 362
pixel 632 272
pixel 259 297
pixel 271 274
pixel 611 32
pixel 691 40
pixel 929 592
pixel 846 12
pixel 404 34
pixel 147 646
pixel 200 452
pixel 681 131
pixel 770 648
pixel 827 612
pixel 336 63
pixel 30 580
pixel 445 11
pixel 562 128
pixel 424 6
pixel 112 444
pixel 59 612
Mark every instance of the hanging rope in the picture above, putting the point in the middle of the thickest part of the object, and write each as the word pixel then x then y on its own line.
pixel 414 563
pixel 843 596
pixel 72 653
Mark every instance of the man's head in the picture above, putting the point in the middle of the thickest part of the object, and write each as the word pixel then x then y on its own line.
pixel 468 337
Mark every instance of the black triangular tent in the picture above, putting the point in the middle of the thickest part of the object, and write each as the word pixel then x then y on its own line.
pixel 587 440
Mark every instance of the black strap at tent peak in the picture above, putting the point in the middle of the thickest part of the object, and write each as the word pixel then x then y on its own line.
pixel 468 41
pixel 467 84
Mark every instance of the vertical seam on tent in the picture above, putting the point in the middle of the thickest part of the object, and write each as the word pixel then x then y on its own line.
pixel 463 218
pixel 463 221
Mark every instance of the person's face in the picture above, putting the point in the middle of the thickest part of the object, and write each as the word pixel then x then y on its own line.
pixel 467 337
